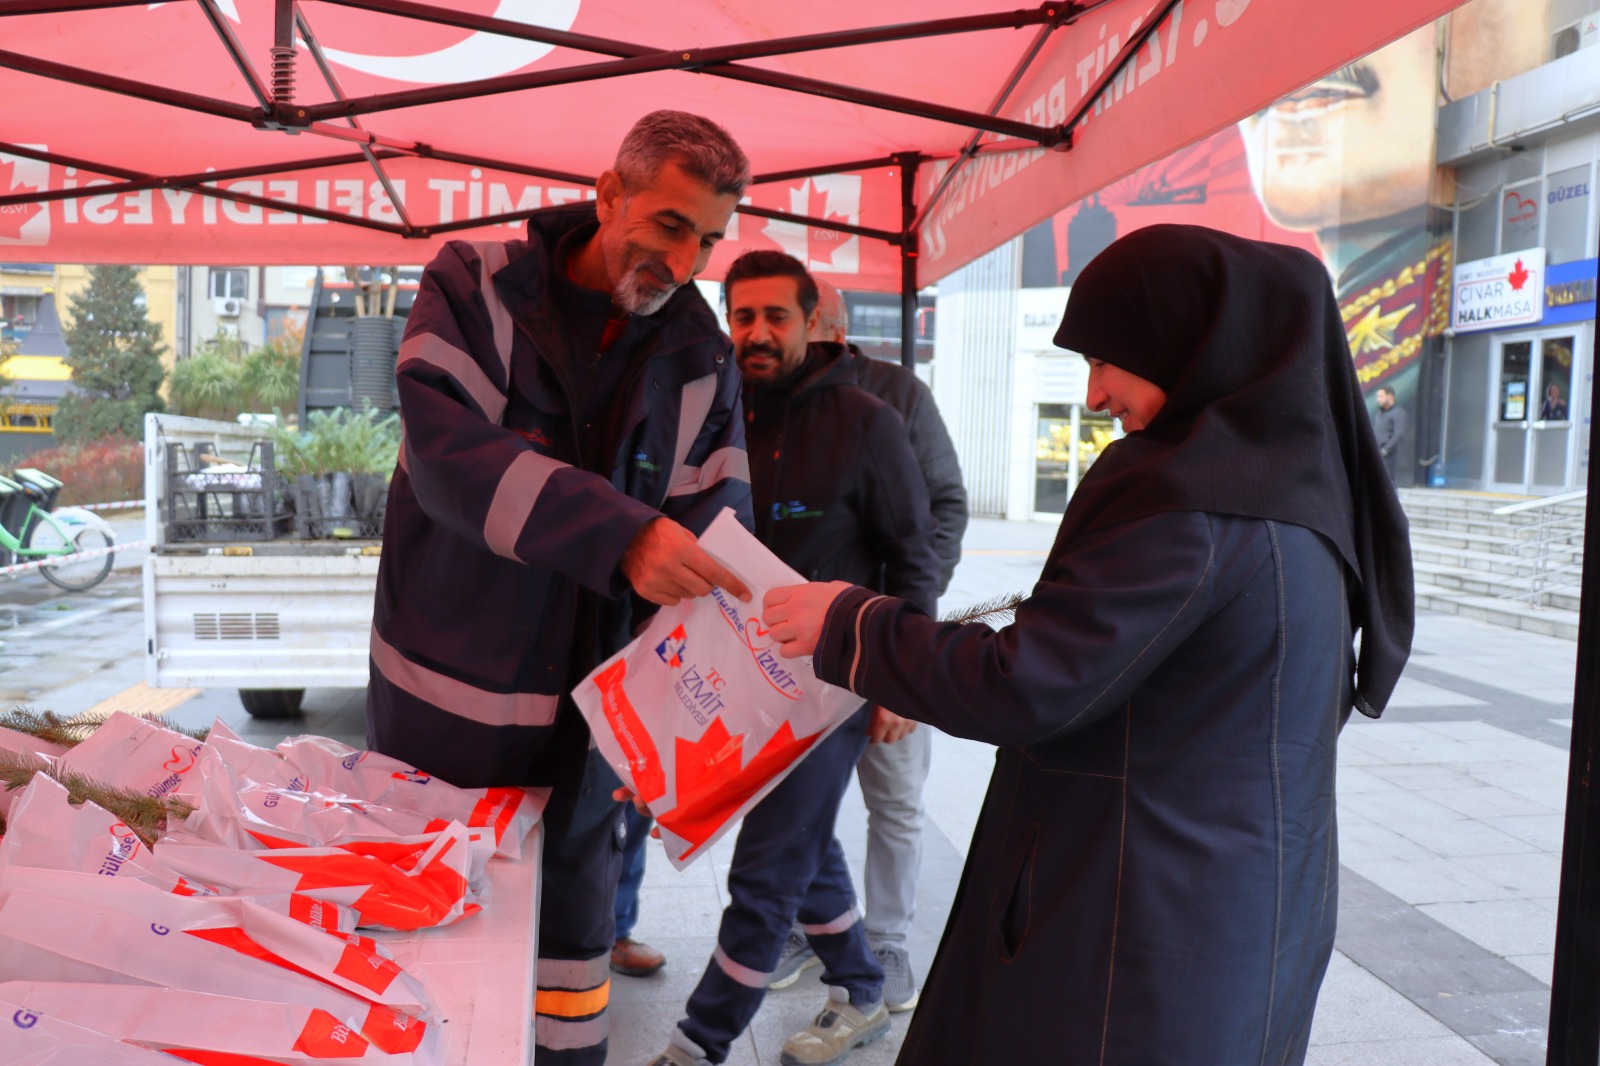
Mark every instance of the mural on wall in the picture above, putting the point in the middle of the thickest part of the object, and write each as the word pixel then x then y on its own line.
pixel 1343 168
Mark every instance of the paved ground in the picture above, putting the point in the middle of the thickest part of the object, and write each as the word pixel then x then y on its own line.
pixel 1450 825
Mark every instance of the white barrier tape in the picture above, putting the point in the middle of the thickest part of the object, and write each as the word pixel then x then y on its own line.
pixel 17 568
pixel 109 506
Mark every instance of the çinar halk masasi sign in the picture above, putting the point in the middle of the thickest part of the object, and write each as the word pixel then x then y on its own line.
pixel 1503 290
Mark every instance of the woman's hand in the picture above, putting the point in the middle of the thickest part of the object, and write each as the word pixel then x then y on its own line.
pixel 794 615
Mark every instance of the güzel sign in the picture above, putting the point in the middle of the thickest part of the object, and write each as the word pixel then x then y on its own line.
pixel 1503 290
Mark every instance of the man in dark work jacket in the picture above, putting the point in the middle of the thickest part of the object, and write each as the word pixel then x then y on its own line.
pixel 894 767
pixel 837 495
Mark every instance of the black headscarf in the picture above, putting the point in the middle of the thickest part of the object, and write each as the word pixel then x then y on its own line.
pixel 1263 416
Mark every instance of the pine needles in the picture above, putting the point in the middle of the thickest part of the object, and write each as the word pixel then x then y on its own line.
pixel 69 732
pixel 999 611
pixel 146 816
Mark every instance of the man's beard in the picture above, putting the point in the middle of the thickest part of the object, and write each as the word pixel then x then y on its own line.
pixel 781 375
pixel 637 296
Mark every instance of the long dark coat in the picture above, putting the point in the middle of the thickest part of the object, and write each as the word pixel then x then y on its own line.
pixel 1153 879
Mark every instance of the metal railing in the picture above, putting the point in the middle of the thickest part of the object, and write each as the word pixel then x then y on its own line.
pixel 1554 532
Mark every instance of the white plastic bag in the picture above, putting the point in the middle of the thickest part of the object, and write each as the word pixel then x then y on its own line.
pixel 24 750
pixel 134 753
pixel 699 715
pixel 203 1027
pixel 404 883
pixel 44 831
pixel 375 778
pixel 30 1038
pixel 135 929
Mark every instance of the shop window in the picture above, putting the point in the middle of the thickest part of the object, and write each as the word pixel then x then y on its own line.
pixel 233 283
pixel 1570 192
pixel 1520 208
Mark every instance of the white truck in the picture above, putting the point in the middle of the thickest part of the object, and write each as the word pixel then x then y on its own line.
pixel 231 598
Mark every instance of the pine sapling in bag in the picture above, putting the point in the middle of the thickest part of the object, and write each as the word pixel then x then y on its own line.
pixel 134 753
pixel 376 778
pixel 208 1028
pixel 405 883
pixel 21 749
pixel 31 1038
pixel 47 832
pixel 700 716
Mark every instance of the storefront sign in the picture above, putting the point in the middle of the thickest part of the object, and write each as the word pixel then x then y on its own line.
pixel 1569 291
pixel 1504 290
pixel 1038 317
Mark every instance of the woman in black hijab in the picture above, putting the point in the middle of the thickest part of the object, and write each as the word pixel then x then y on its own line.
pixel 1154 876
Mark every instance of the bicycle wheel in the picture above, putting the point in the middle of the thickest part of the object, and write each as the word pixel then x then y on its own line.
pixel 74 575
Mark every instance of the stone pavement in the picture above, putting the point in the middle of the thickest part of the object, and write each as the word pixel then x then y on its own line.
pixel 1450 827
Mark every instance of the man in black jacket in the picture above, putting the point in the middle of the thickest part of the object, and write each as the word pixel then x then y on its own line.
pixel 1392 426
pixel 838 495
pixel 895 765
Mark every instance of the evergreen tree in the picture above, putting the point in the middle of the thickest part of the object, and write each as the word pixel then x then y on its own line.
pixel 114 353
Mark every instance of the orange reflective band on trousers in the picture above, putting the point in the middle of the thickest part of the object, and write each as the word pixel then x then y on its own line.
pixel 560 1003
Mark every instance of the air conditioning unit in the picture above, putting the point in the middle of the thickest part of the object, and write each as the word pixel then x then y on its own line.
pixel 227 306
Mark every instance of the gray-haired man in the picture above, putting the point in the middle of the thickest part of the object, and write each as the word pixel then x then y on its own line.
pixel 571 422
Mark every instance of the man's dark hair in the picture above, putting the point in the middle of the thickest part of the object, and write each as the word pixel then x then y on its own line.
pixel 701 147
pixel 766 263
pixel 1386 389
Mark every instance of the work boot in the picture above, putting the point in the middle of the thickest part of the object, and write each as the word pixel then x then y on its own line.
pixel 633 959
pixel 797 957
pixel 838 1030
pixel 899 983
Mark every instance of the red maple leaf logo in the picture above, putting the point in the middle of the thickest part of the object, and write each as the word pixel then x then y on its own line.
pixel 712 783
pixel 14 216
pixel 823 243
pixel 1518 276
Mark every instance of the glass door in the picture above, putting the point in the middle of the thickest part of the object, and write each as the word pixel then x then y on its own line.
pixel 1067 440
pixel 1533 412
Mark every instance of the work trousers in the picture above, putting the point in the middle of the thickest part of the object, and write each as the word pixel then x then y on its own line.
pixel 633 855
pixel 892 777
pixel 583 836
pixel 787 864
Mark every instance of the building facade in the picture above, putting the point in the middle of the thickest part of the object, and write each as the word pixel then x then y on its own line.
pixel 1456 164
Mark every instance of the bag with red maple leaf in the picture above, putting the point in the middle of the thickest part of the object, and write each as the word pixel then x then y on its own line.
pixel 699 715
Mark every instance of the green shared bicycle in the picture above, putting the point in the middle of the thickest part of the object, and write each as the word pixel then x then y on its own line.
pixel 31 531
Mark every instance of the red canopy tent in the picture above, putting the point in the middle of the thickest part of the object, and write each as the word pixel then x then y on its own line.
pixel 270 131
pixel 888 153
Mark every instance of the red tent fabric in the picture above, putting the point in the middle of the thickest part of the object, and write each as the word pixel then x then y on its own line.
pixel 419 120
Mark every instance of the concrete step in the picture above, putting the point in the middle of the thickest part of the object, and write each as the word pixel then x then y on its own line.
pixel 1501 543
pixel 1500 586
pixel 1487 562
pixel 1550 621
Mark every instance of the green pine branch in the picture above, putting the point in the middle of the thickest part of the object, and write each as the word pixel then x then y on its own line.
pixel 69 732
pixel 1000 609
pixel 146 816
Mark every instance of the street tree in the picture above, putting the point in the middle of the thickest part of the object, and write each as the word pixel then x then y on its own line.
pixel 114 352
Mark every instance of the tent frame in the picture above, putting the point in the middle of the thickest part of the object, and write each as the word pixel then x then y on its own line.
pixel 275 108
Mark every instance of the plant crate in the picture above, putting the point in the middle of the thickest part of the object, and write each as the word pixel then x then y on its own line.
pixel 339 505
pixel 205 504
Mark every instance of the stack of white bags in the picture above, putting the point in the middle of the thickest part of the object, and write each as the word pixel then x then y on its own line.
pixel 233 940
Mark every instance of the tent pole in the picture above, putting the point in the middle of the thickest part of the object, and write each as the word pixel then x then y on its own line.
pixel 908 259
pixel 1574 1030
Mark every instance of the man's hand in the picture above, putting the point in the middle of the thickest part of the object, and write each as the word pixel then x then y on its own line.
pixel 665 564
pixel 794 615
pixel 887 727
pixel 624 794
